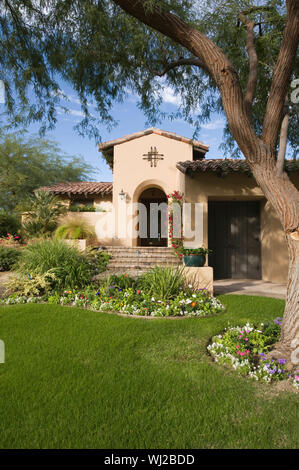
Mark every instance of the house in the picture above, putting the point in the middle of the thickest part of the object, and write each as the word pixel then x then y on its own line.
pixel 234 219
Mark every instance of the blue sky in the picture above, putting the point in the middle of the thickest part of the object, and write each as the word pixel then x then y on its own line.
pixel 130 119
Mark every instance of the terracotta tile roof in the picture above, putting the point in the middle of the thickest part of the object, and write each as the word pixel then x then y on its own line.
pixel 224 166
pixel 84 188
pixel 152 130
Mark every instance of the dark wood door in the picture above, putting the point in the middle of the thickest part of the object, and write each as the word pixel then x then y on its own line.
pixel 234 237
pixel 150 241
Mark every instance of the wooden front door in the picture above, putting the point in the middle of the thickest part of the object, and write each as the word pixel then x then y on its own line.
pixel 149 241
pixel 234 237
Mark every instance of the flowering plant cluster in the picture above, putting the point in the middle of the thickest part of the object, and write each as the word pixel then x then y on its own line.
pixel 131 301
pixel 176 242
pixel 10 240
pixel 245 348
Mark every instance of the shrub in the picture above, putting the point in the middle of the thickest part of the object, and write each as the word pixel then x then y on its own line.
pixel 118 282
pixel 10 240
pixel 8 258
pixel 82 208
pixel 99 260
pixel 26 285
pixel 162 283
pixel 9 223
pixel 71 268
pixel 74 228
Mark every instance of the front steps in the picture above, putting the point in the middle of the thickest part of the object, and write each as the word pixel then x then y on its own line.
pixel 137 260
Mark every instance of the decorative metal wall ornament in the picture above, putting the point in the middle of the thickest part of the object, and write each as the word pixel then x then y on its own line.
pixel 153 156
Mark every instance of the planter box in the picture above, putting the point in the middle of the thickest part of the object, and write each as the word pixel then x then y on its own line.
pixel 194 260
pixel 200 278
pixel 81 243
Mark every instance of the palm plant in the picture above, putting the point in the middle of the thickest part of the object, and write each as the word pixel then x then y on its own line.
pixel 42 211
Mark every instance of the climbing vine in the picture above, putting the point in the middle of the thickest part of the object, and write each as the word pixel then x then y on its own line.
pixel 176 242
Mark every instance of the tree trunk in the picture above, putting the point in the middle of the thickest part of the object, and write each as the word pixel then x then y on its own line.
pixel 284 197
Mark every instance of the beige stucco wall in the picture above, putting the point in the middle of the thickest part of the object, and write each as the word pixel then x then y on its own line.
pixel 205 186
pixel 133 175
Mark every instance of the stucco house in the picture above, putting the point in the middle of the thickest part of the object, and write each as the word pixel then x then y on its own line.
pixel 236 221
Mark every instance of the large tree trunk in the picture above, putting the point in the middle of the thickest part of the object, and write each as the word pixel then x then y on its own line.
pixel 260 152
pixel 284 197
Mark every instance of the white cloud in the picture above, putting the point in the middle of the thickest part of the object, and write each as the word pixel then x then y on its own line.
pixel 76 112
pixel 218 124
pixel 169 96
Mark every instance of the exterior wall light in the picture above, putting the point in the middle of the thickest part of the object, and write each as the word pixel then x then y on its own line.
pixel 122 195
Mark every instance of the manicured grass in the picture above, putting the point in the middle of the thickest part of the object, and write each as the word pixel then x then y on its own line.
pixel 75 378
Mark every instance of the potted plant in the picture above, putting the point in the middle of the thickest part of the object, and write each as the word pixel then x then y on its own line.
pixel 195 257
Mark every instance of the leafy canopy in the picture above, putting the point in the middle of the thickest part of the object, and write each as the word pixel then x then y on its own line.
pixel 106 54
pixel 27 163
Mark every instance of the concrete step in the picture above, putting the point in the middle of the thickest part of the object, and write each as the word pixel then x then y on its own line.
pixel 139 259
pixel 140 249
pixel 120 263
pixel 129 257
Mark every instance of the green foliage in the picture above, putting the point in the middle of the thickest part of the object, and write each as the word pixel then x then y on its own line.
pixel 71 268
pixel 82 208
pixel 42 212
pixel 162 283
pixel 65 38
pixel 246 348
pixel 98 259
pixel 30 163
pixel 131 300
pixel 9 223
pixel 35 285
pixel 74 228
pixel 8 258
pixel 124 281
pixel 195 251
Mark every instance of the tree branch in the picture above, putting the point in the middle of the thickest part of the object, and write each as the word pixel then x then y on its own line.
pixel 171 65
pixel 282 75
pixel 211 57
pixel 253 63
pixel 283 139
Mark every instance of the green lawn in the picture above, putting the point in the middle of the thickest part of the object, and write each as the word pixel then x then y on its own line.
pixel 75 378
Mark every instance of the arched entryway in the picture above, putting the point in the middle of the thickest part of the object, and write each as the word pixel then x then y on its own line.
pixel 153 219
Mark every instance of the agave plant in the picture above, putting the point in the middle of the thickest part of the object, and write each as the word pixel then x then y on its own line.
pixel 74 228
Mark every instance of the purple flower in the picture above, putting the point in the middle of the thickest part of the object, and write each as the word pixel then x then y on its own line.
pixel 281 361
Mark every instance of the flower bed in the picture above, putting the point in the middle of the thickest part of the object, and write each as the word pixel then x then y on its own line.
pixel 245 348
pixel 130 301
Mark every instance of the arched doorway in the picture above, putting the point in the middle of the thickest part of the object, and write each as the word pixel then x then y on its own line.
pixel 153 218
